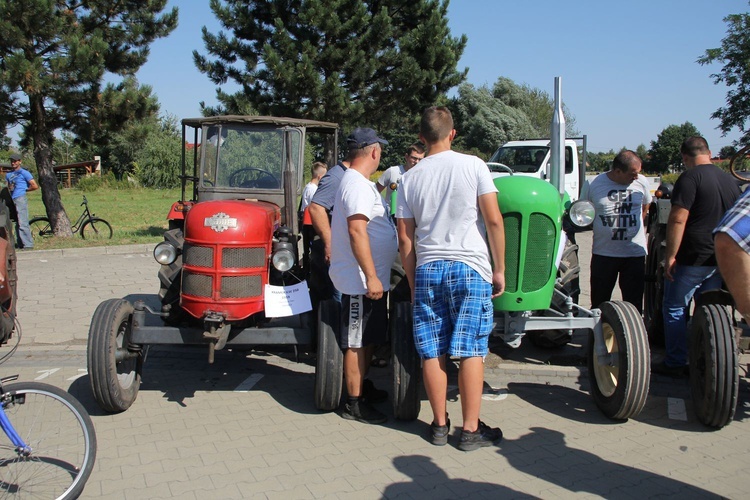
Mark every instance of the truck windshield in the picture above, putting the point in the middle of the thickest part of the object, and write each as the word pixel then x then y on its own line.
pixel 250 158
pixel 524 159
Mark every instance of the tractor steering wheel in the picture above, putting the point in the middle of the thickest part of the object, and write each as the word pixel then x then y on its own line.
pixel 499 167
pixel 261 179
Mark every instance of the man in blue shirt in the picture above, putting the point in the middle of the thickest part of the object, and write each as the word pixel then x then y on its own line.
pixel 19 182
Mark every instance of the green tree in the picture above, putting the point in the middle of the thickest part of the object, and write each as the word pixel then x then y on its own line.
pixel 535 103
pixel 53 57
pixel 735 74
pixel 727 152
pixel 118 143
pixel 665 150
pixel 600 162
pixel 354 62
pixel 484 123
pixel 485 119
pixel 157 161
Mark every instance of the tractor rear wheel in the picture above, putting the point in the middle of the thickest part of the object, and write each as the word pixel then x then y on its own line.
pixel 714 366
pixel 620 387
pixel 406 364
pixel 654 290
pixel 329 366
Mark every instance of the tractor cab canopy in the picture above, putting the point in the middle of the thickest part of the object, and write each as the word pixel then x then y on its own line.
pixel 249 157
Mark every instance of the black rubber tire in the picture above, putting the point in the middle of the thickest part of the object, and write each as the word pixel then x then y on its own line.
pixel 654 287
pixel 329 366
pixel 115 384
pixel 8 316
pixel 569 274
pixel 714 365
pixel 61 436
pixel 406 364
pixel 620 391
pixel 96 229
pixel 40 227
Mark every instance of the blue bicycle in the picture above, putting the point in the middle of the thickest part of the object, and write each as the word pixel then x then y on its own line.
pixel 51 442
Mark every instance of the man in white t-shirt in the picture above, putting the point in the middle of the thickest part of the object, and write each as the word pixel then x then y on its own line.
pixel 363 247
pixel 441 203
pixel 392 176
pixel 621 198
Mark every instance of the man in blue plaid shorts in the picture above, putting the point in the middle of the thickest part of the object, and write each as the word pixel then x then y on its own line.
pixel 447 263
pixel 732 244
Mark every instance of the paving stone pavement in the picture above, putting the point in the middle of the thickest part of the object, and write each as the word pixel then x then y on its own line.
pixel 246 426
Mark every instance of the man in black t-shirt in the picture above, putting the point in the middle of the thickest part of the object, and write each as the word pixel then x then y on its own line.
pixel 700 198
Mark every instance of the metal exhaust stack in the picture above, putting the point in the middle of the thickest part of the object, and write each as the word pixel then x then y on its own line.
pixel 557 141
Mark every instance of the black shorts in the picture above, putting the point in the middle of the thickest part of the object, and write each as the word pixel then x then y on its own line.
pixel 363 321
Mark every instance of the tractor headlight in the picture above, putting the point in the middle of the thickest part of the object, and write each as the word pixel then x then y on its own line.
pixel 283 256
pixel 165 253
pixel 581 213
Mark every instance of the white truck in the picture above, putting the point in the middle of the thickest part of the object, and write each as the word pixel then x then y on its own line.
pixel 531 158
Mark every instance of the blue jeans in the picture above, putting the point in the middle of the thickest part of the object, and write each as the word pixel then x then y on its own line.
pixel 23 232
pixel 677 295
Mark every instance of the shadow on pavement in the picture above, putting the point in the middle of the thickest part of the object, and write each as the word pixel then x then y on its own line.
pixel 583 472
pixel 429 479
pixel 564 402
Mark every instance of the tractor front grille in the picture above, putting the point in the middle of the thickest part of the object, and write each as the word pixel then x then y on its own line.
pixel 512 223
pixel 198 285
pixel 197 256
pixel 238 287
pixel 199 262
pixel 243 257
pixel 540 252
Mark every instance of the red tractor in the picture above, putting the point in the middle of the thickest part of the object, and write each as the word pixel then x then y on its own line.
pixel 229 243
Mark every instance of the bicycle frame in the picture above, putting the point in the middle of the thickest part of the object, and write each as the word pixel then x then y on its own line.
pixel 21 447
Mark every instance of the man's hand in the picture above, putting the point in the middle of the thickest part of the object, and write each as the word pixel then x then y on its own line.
pixel 498 283
pixel 669 268
pixel 374 289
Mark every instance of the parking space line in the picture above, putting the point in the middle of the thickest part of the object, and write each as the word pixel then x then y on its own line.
pixel 46 373
pixel 676 409
pixel 248 383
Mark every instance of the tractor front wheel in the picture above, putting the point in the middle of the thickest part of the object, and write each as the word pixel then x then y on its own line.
pixel 619 385
pixel 714 366
pixel 114 370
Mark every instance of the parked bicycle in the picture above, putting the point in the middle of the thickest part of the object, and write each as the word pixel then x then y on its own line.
pixel 89 226
pixel 51 442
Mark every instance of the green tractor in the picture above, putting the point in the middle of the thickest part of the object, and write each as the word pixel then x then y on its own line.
pixel 541 263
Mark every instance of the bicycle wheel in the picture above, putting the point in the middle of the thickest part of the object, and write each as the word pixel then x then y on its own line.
pixel 40 227
pixel 60 438
pixel 96 229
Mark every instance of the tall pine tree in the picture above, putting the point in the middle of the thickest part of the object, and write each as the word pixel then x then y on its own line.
pixel 354 62
pixel 53 57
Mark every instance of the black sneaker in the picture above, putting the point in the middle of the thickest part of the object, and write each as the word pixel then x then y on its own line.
pixel 439 433
pixel 483 436
pixel 360 411
pixel 372 394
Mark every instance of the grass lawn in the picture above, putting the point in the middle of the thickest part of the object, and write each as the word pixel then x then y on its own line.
pixel 136 215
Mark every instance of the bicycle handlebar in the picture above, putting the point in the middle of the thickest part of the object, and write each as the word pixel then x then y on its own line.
pixel 84 201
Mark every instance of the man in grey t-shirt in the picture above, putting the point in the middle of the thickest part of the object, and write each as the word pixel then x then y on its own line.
pixel 621 198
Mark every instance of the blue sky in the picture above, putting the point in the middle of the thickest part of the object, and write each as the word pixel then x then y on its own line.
pixel 628 68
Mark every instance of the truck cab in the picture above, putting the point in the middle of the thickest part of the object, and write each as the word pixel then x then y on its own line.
pixel 531 158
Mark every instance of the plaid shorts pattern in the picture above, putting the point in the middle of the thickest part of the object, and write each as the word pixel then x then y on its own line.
pixel 736 222
pixel 452 310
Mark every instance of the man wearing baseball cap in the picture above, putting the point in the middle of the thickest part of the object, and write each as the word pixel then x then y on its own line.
pixel 19 182
pixel 363 247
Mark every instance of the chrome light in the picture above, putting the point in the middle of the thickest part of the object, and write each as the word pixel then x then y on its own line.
pixel 582 213
pixel 165 253
pixel 283 259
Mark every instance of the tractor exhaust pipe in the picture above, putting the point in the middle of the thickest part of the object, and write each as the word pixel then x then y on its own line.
pixel 557 141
